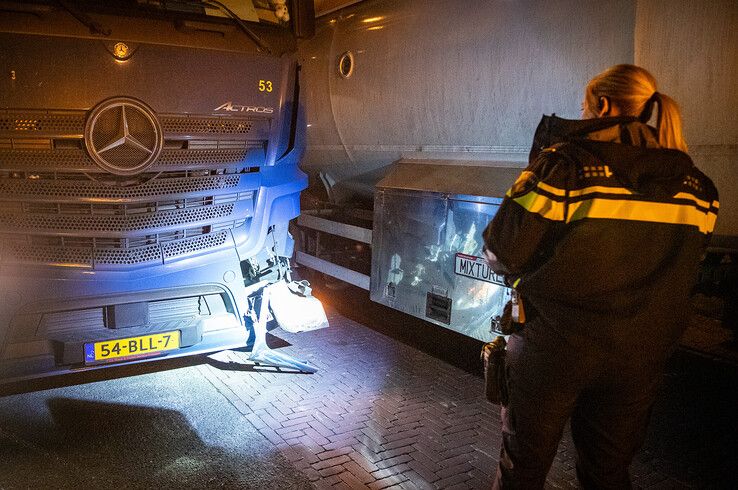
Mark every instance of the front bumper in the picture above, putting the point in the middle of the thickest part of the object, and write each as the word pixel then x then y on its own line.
pixel 49 315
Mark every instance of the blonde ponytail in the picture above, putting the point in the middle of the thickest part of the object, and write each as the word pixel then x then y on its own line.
pixel 669 124
pixel 632 89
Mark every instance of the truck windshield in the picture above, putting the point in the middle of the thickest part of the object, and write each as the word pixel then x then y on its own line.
pixel 265 12
pixel 245 14
pixel 261 11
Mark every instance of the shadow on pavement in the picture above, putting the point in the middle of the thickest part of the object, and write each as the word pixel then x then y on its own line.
pixel 694 429
pixel 104 374
pixel 111 445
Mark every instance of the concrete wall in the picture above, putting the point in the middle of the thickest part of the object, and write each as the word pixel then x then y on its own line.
pixel 691 47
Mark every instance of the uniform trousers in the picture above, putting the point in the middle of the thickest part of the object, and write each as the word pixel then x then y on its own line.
pixel 606 390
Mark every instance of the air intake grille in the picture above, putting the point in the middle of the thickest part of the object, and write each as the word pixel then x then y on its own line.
pixel 194 245
pixel 43 123
pixel 87 190
pixel 72 123
pixel 112 224
pixel 58 208
pixel 138 255
pixel 205 125
pixel 36 254
pixel 102 255
pixel 66 160
pixel 85 321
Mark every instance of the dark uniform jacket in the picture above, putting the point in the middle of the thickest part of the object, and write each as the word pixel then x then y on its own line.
pixel 603 233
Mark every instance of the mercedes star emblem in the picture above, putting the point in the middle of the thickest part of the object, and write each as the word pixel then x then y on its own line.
pixel 123 136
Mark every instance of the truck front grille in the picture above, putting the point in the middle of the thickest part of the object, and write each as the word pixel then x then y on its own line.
pixel 72 123
pixel 58 208
pixel 71 188
pixel 76 159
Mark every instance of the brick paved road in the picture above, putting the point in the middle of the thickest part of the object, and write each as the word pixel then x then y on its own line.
pixel 397 405
pixel 378 413
pixel 383 414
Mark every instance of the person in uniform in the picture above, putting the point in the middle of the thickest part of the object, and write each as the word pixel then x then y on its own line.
pixel 601 237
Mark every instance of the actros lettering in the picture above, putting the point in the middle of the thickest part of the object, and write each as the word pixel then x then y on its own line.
pixel 231 107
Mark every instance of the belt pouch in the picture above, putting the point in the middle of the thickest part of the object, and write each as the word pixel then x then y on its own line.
pixel 493 358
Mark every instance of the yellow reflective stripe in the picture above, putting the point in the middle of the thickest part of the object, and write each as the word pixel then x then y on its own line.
pixel 586 190
pixel 598 208
pixel 536 203
pixel 602 190
pixel 711 218
pixel 692 197
pixel 618 191
pixel 551 189
pixel 653 212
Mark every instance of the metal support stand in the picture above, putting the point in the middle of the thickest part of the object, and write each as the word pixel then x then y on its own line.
pixel 261 353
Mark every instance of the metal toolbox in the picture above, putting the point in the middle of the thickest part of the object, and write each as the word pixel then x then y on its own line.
pixel 427 256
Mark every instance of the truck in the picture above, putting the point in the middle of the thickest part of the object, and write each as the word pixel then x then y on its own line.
pixel 148 173
pixel 421 115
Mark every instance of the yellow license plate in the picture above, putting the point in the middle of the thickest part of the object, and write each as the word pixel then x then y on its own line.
pixel 132 347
